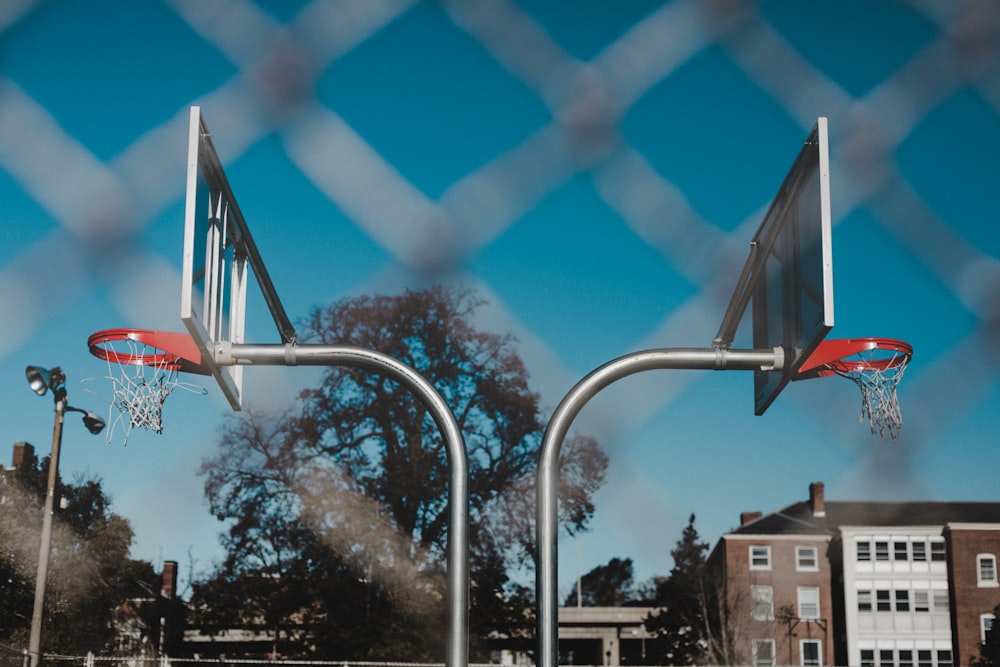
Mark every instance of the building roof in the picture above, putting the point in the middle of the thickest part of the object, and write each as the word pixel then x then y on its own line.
pixel 798 518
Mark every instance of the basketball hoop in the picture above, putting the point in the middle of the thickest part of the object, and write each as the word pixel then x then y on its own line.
pixel 149 363
pixel 876 365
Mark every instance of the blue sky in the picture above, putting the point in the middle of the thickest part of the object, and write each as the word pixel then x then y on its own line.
pixel 595 169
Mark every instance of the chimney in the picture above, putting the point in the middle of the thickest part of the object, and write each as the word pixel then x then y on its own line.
pixel 22 450
pixel 816 500
pixel 168 586
pixel 748 517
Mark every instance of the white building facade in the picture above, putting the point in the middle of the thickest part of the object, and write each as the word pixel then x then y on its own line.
pixel 896 597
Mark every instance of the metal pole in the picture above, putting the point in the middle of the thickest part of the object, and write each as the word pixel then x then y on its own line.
pixel 45 548
pixel 458 486
pixel 547 529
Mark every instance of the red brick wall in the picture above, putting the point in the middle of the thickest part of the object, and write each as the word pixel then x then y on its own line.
pixel 969 599
pixel 784 580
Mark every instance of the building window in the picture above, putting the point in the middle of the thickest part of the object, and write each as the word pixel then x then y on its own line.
pixel 925 659
pixel 937 551
pixel 867 657
pixel 944 659
pixel 900 552
pixel 806 559
pixel 763 603
pixel 919 551
pixel 941 602
pixel 864 551
pixel 921 601
pixel 760 558
pixel 809 650
pixel 905 658
pixel 864 600
pixel 881 551
pixel 902 600
pixel 763 652
pixel 985 625
pixel 808 602
pixel 885 658
pixel 987 568
pixel 882 601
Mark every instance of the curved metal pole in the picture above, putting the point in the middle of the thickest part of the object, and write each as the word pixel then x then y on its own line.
pixel 458 485
pixel 547 490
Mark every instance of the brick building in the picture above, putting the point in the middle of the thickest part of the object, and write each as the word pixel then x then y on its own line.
pixel 862 583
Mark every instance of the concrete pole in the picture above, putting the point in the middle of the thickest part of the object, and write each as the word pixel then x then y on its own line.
pixel 45 548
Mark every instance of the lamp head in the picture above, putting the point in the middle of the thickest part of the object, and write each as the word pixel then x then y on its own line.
pixel 93 423
pixel 41 378
pixel 38 379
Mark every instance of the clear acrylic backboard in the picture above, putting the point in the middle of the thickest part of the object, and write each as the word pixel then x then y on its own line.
pixel 219 258
pixel 789 273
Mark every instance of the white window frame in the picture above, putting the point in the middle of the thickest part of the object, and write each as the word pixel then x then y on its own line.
pixel 764 554
pixel 990 572
pixel 808 602
pixel 757 643
pixel 802 557
pixel 760 596
pixel 802 652
pixel 985 624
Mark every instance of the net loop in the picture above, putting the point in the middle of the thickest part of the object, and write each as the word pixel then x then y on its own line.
pixel 145 378
pixel 877 382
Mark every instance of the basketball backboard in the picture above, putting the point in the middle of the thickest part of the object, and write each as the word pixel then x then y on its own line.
pixel 789 274
pixel 219 258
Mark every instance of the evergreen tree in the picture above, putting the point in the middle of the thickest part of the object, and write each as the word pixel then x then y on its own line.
pixel 681 623
pixel 608 585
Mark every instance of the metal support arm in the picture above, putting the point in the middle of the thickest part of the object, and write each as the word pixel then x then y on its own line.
pixel 458 486
pixel 546 574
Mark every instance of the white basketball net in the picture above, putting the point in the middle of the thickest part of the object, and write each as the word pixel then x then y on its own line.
pixel 879 403
pixel 139 389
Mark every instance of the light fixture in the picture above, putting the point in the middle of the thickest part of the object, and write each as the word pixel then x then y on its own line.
pixel 38 379
pixel 93 423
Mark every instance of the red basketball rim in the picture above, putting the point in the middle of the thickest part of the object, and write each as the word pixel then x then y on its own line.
pixel 839 356
pixel 169 350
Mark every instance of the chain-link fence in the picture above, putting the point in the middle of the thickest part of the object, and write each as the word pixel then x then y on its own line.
pixel 516 116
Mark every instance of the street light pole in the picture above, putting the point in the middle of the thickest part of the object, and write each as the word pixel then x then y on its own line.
pixel 45 548
pixel 41 380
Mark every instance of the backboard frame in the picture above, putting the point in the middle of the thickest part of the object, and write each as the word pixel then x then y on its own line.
pixel 219 255
pixel 789 273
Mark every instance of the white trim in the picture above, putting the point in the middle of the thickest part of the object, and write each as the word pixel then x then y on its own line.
pixel 753 649
pixel 980 581
pixel 973 526
pixel 758 537
pixel 819 652
pixel 815 558
pixel 751 558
